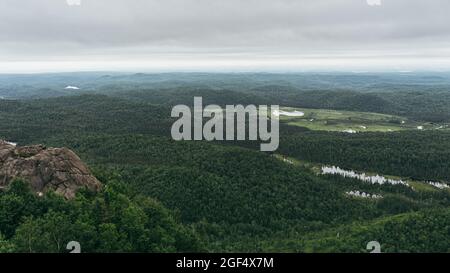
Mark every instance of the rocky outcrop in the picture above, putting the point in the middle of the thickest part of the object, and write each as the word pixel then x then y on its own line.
pixel 57 169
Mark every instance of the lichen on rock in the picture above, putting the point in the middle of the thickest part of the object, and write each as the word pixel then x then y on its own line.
pixel 46 169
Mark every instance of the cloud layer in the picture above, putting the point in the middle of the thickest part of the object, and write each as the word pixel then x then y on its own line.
pixel 250 31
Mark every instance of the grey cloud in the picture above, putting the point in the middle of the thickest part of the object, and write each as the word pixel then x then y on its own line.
pixel 41 28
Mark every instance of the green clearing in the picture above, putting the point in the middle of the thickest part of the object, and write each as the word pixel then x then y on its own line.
pixel 333 120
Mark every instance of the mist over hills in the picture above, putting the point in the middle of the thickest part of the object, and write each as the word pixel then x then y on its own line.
pixel 416 95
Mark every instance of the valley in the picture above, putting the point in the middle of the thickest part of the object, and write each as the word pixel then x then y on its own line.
pixel 227 196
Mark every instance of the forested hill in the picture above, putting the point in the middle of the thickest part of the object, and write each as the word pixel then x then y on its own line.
pixel 37 120
pixel 420 95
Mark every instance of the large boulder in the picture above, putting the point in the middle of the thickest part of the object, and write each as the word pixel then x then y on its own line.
pixel 57 169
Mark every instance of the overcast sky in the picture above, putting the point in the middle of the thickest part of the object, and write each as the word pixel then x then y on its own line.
pixel 236 35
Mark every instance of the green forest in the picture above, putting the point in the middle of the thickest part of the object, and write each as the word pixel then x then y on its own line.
pixel 161 195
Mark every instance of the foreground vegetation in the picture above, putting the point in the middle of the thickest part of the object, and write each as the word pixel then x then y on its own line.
pixel 111 221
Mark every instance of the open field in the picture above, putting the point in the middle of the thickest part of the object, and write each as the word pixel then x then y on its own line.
pixel 352 122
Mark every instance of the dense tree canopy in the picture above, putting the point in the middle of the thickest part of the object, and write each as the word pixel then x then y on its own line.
pixel 160 195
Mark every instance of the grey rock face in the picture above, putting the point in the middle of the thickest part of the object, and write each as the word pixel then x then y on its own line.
pixel 57 169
